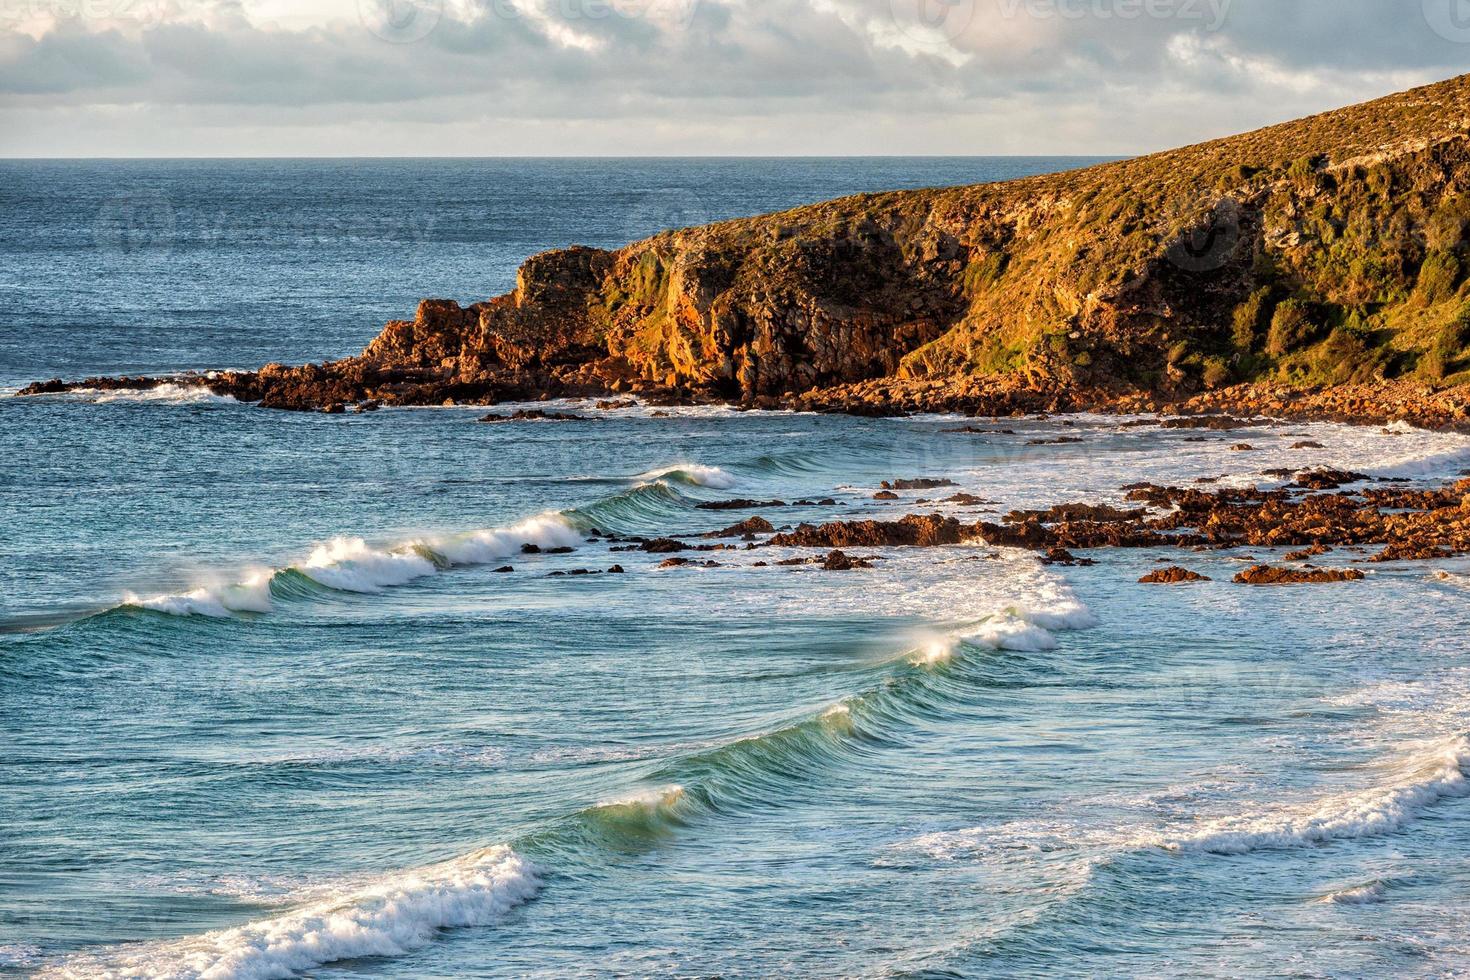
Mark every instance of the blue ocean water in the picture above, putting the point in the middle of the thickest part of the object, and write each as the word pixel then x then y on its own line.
pixel 268 707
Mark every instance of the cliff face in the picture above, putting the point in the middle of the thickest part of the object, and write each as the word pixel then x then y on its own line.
pixel 1331 249
pixel 1327 251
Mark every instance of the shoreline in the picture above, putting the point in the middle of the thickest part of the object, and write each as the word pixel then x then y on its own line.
pixel 343 386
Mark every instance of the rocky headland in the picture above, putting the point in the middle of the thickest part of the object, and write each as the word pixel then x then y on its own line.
pixel 1312 269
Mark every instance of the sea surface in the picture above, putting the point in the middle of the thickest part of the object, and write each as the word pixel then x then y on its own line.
pixel 270 707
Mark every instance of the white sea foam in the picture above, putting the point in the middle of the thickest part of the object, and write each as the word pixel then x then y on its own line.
pixel 1007 631
pixel 386 918
pixel 167 394
pixel 1369 894
pixel 19 956
pixel 482 547
pixel 352 565
pixel 1434 773
pixel 696 473
pixel 252 594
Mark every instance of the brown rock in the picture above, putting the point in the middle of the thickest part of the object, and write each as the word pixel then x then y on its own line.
pixel 751 525
pixel 663 546
pixel 1173 575
pixel 837 561
pixel 1272 575
pixel 913 531
pixel 739 504
pixel 921 484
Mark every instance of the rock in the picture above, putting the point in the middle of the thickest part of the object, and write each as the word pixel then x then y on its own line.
pixel 1218 423
pixel 885 495
pixel 616 570
pixel 1060 441
pixel 1306 553
pixel 912 530
pixel 1173 575
pixel 837 561
pixel 608 405
pixel 674 562
pixel 1411 551
pixel 503 569
pixel 534 415
pixel 530 549
pixel 1061 556
pixel 1075 512
pixel 335 408
pixel 1242 447
pixel 920 484
pixel 1270 575
pixel 1307 444
pixel 749 526
pixel 663 546
pixel 739 504
pixel 558 551
pixel 1327 478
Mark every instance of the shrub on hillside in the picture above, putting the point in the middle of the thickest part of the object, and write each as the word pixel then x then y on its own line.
pixel 1291 327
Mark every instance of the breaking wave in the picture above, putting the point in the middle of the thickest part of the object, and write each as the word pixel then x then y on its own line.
pixel 350 564
pixel 1369 894
pixel 648 505
pixel 1433 775
pixel 387 918
pixel 692 473
pixel 166 394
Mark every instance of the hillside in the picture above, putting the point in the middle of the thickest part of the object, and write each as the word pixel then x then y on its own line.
pixel 1328 251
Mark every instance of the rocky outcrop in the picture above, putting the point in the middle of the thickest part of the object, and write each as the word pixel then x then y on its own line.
pixel 1313 268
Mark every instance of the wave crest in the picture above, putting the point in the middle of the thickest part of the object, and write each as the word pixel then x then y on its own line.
pixel 1436 775
pixel 389 918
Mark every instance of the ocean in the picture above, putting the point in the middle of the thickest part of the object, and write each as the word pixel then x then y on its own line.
pixel 270 707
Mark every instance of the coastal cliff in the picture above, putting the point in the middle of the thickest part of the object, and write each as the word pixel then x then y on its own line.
pixel 1319 263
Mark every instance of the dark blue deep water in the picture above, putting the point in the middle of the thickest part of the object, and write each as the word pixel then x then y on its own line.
pixel 269 707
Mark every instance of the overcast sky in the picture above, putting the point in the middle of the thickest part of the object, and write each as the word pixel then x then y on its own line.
pixel 695 77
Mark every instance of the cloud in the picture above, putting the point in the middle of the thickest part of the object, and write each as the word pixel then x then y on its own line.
pixel 687 76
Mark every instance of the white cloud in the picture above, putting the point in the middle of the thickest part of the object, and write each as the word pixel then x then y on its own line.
pixel 685 76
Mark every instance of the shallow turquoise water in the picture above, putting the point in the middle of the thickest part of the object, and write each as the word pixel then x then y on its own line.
pixel 956 763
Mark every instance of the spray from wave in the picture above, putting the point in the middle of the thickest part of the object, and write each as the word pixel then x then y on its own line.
pixel 397 914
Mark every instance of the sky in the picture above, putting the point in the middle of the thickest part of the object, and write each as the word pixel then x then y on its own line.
pixel 694 77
